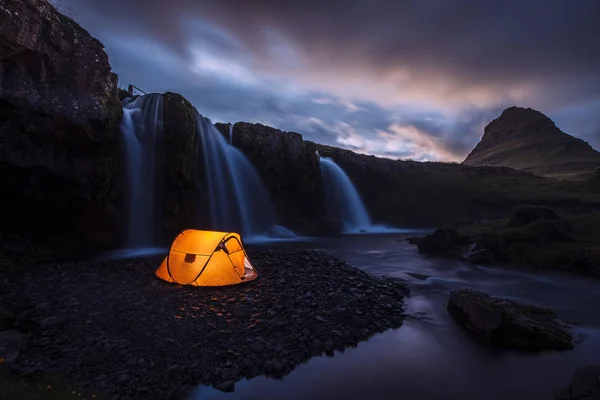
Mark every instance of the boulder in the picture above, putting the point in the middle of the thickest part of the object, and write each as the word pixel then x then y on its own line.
pixel 59 122
pixel 523 215
pixel 585 385
pixel 509 324
pixel 11 343
pixel 445 241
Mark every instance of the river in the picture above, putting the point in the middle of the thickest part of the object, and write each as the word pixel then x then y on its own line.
pixel 430 356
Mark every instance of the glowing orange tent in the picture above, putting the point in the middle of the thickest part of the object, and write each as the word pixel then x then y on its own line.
pixel 207 258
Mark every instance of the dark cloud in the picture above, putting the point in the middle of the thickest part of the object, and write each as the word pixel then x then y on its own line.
pixel 429 73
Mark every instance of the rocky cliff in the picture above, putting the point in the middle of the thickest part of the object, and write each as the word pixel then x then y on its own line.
pixel 400 193
pixel 183 178
pixel 59 117
pixel 290 168
pixel 527 140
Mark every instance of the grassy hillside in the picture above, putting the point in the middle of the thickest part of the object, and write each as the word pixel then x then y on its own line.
pixel 410 193
pixel 527 140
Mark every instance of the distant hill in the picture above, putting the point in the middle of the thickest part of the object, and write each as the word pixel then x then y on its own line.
pixel 527 140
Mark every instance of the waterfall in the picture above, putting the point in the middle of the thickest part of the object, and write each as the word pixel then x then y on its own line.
pixel 231 134
pixel 238 199
pixel 343 201
pixel 141 127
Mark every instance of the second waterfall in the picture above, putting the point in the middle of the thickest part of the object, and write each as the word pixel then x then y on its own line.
pixel 238 199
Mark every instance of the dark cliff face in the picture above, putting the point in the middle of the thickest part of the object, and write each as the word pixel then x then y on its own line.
pixel 183 174
pixel 290 169
pixel 527 140
pixel 427 194
pixel 59 120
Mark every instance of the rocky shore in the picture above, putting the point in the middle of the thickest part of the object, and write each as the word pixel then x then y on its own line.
pixel 114 329
pixel 533 236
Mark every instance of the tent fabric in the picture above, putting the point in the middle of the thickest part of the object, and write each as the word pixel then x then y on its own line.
pixel 207 258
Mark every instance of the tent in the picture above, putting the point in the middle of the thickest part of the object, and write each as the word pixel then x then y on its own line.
pixel 207 258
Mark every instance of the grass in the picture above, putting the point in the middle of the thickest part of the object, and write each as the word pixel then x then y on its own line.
pixel 13 388
pixel 557 255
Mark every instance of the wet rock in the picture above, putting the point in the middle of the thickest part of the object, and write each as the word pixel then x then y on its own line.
pixel 227 386
pixel 414 240
pixel 506 323
pixel 444 241
pixel 585 385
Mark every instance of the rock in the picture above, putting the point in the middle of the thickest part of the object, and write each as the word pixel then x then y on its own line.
pixel 290 169
pixel 59 118
pixel 524 215
pixel 192 336
pixel 14 245
pixel 227 386
pixel 444 241
pixel 507 323
pixel 7 319
pixel 11 343
pixel 241 311
pixel 183 200
pixel 414 240
pixel 585 385
pixel 289 305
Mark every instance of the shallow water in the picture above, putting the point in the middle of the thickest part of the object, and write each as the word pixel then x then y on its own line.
pixel 430 356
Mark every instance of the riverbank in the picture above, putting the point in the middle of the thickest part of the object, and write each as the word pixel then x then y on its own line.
pixel 569 243
pixel 114 328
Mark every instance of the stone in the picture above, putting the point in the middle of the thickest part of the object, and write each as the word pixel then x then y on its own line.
pixel 507 323
pixel 241 311
pixel 191 336
pixel 584 385
pixel 444 241
pixel 11 343
pixel 226 386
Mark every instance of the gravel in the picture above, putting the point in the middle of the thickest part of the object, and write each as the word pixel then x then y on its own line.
pixel 114 328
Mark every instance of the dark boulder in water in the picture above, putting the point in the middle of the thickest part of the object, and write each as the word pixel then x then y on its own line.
pixel 585 385
pixel 444 241
pixel 507 323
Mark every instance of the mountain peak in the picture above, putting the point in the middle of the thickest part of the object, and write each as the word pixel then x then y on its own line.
pixel 526 139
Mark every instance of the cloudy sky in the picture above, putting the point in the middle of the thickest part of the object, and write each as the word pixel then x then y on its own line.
pixel 410 79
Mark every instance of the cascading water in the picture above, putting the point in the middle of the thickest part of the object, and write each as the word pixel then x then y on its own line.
pixel 238 199
pixel 141 127
pixel 343 200
pixel 231 134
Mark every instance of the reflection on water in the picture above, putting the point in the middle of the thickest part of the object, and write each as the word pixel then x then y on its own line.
pixel 430 357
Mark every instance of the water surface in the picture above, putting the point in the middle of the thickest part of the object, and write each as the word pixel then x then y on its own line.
pixel 430 356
